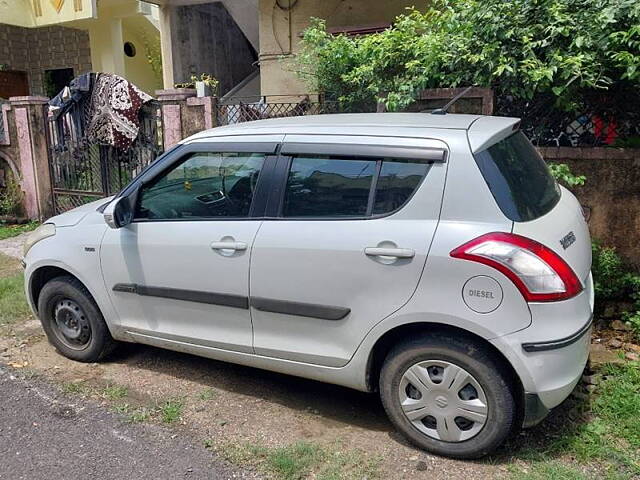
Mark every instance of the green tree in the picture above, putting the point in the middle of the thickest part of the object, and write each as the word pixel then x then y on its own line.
pixel 522 48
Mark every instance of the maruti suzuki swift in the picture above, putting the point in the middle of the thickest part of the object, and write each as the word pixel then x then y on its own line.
pixel 430 258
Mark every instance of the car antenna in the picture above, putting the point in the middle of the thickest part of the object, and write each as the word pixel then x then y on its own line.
pixel 443 110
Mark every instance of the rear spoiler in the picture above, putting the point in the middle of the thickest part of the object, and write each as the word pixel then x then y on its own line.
pixel 485 131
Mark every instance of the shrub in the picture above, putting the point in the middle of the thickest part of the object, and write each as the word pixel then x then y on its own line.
pixel 522 48
pixel 11 197
pixel 564 175
pixel 610 279
pixel 613 282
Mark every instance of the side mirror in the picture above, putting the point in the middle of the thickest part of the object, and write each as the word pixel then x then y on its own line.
pixel 119 213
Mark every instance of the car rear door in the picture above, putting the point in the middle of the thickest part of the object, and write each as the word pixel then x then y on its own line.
pixel 348 230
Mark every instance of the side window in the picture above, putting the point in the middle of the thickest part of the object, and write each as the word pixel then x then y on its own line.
pixel 203 185
pixel 396 183
pixel 328 187
pixel 322 186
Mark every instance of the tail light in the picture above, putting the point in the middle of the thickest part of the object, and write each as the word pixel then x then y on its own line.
pixel 540 274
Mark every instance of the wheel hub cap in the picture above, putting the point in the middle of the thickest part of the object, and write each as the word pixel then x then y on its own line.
pixel 443 401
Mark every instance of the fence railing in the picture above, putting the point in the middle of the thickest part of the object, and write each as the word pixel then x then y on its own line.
pixel 237 110
pixel 82 171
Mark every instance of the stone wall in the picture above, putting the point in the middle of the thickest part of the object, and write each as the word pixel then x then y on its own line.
pixel 611 191
pixel 35 50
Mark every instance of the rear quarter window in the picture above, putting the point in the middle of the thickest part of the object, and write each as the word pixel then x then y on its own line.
pixel 519 179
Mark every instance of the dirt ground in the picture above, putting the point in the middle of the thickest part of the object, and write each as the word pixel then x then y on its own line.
pixel 227 405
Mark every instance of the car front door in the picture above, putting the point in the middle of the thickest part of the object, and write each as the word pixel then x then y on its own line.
pixel 179 272
pixel 348 235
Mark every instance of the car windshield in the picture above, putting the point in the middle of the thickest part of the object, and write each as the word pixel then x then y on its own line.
pixel 519 179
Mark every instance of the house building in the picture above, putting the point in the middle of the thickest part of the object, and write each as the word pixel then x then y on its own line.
pixel 247 45
pixel 45 43
pixel 272 28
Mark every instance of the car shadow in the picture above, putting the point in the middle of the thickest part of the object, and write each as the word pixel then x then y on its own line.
pixel 331 402
pixel 334 403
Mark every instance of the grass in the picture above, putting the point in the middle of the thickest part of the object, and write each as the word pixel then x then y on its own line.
pixel 135 414
pixel 302 460
pixel 8 231
pixel 115 392
pixel 13 303
pixel 549 470
pixel 76 388
pixel 610 437
pixel 207 394
pixel 171 410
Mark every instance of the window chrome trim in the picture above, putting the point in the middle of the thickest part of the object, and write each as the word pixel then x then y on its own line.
pixel 426 154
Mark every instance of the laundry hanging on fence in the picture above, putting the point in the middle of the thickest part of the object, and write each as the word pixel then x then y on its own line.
pixel 113 112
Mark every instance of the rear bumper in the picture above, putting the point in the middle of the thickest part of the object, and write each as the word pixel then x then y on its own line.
pixel 549 356
pixel 534 410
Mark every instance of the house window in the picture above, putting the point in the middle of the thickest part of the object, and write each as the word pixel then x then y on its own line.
pixel 129 49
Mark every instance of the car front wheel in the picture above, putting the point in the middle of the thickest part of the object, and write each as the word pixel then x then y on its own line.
pixel 72 320
pixel 448 395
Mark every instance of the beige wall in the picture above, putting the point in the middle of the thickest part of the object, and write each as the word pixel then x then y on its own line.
pixel 137 69
pixel 35 50
pixel 119 22
pixel 276 75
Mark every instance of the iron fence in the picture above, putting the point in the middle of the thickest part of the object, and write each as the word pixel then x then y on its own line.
pixel 600 119
pixel 238 110
pixel 82 171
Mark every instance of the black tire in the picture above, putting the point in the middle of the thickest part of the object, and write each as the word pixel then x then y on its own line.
pixel 478 361
pixel 95 342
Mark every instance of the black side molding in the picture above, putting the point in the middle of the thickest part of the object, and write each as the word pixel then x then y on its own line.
pixel 325 312
pixel 224 299
pixel 560 343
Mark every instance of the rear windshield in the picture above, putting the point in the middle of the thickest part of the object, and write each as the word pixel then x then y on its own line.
pixel 518 178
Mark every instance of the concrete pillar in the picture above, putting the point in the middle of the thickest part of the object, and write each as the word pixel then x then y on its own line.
pixel 166 13
pixel 174 106
pixel 184 114
pixel 30 115
pixel 107 46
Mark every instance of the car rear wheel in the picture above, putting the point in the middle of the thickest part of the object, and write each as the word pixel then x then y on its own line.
pixel 448 395
pixel 72 320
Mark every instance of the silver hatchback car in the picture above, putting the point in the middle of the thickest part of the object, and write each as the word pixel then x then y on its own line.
pixel 431 258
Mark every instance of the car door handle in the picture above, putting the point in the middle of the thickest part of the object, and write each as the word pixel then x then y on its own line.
pixel 228 245
pixel 389 252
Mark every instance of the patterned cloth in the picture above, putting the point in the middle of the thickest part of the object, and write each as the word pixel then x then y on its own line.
pixel 113 113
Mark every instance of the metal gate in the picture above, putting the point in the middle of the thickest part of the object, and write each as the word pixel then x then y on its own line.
pixel 83 171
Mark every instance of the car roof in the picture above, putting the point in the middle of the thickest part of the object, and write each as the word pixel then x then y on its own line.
pixel 390 124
